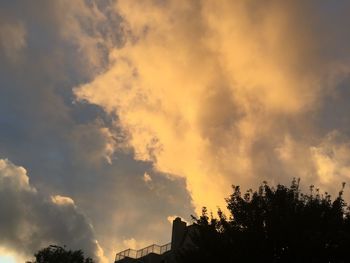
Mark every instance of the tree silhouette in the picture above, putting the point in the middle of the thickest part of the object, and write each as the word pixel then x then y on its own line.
pixel 57 254
pixel 273 225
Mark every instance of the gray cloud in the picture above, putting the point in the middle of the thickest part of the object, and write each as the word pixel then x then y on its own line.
pixel 31 220
pixel 63 144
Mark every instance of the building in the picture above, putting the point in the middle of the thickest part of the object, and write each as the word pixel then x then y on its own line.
pixel 180 238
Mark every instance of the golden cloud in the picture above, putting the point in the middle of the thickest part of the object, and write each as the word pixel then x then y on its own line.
pixel 216 91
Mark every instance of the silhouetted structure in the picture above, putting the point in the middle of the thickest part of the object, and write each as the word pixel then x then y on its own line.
pixel 271 225
pixel 159 254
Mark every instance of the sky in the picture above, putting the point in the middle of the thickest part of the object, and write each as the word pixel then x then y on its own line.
pixel 117 116
pixel 7 259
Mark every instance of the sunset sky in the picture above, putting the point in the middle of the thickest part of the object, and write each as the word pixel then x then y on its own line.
pixel 117 116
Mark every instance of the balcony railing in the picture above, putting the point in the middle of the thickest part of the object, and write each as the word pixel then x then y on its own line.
pixel 132 253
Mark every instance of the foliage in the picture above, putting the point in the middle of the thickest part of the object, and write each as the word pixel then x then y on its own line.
pixel 273 225
pixel 57 254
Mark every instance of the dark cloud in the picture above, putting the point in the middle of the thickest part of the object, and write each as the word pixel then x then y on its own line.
pixel 63 144
pixel 333 113
pixel 30 220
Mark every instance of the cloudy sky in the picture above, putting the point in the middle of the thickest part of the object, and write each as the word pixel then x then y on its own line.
pixel 116 116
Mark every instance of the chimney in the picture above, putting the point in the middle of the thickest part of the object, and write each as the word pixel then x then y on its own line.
pixel 179 229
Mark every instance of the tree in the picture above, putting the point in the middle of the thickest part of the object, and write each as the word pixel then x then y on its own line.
pixel 273 225
pixel 57 254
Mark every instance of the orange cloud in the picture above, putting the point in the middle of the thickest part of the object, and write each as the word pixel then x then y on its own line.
pixel 215 91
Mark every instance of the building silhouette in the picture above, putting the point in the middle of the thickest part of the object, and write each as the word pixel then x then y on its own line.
pixel 180 238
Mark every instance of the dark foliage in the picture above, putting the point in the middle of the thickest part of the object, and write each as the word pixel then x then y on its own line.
pixel 273 225
pixel 57 254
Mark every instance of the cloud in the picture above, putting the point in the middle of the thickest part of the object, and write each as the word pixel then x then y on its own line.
pixel 331 158
pixel 12 40
pixel 130 243
pixel 30 220
pixel 196 94
pixel 222 92
pixel 71 148
pixel 62 200
pixel 147 178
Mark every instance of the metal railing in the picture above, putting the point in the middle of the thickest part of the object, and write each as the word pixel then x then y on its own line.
pixel 132 253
